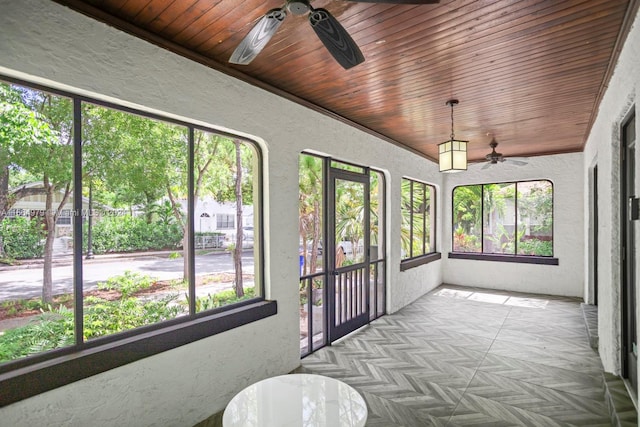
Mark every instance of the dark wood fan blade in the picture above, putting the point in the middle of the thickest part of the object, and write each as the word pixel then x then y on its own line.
pixel 398 1
pixel 258 37
pixel 335 38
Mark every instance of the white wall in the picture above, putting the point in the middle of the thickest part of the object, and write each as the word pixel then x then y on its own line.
pixel 46 43
pixel 567 278
pixel 602 148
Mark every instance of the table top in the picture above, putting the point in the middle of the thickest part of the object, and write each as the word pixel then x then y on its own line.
pixel 296 400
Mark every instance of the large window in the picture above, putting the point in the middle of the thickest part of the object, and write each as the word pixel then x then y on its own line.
pixel 417 208
pixel 224 222
pixel 513 218
pixel 103 251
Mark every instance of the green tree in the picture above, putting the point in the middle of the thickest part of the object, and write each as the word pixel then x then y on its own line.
pixel 20 129
pixel 467 218
pixel 230 179
pixel 54 159
pixel 50 156
pixel 416 218
pixel 350 214
pixel 310 213
pixel 535 218
pixel 237 256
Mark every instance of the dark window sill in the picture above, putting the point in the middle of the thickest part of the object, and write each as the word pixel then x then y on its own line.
pixel 523 259
pixel 24 382
pixel 424 259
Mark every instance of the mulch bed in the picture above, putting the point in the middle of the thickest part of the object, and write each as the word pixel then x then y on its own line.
pixel 19 309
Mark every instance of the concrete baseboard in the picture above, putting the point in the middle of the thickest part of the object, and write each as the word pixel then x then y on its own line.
pixel 590 314
pixel 214 420
pixel 621 408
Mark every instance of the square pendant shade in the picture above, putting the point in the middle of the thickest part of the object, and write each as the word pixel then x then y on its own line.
pixel 452 156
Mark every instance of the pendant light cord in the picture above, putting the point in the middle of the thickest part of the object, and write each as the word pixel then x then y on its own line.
pixel 452 135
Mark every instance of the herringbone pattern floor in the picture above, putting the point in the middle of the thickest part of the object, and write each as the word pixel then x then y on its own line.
pixel 470 357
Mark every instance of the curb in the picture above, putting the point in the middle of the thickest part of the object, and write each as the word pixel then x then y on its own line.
pixel 68 259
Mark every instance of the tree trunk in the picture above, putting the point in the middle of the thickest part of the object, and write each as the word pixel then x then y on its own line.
pixel 50 232
pixel 185 254
pixel 237 256
pixel 185 233
pixel 4 201
pixel 50 218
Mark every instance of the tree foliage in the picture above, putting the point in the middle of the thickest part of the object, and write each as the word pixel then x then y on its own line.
pixel 128 161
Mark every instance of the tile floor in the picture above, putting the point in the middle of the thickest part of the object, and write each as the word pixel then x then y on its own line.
pixel 472 357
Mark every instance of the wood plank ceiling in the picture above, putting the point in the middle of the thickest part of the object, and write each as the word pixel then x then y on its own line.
pixel 528 72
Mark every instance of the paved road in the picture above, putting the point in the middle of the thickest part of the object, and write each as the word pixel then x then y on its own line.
pixel 27 282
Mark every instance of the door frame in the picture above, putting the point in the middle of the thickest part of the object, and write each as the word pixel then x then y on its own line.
pixel 337 276
pixel 592 290
pixel 377 266
pixel 627 251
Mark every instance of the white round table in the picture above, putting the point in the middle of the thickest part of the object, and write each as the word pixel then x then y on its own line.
pixel 296 400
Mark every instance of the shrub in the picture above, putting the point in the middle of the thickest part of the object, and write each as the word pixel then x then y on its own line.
pixel 50 330
pixel 54 328
pixel 127 284
pixel 221 299
pixel 22 237
pixel 108 317
pixel 127 234
pixel 535 247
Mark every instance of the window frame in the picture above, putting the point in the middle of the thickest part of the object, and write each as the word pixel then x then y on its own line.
pixel 517 258
pixel 433 255
pixel 223 220
pixel 38 373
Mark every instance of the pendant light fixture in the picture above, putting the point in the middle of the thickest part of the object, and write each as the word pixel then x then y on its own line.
pixel 452 154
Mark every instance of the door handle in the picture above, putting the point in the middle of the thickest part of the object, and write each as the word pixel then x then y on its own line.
pixel 335 273
pixel 633 209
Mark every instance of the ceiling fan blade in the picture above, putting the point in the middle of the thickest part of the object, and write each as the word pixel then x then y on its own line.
pixel 335 38
pixel 258 37
pixel 486 166
pixel 516 162
pixel 398 1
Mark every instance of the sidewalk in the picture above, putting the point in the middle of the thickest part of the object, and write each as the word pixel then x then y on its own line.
pixel 67 259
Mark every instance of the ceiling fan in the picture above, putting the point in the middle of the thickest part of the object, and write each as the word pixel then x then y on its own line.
pixel 333 35
pixel 494 157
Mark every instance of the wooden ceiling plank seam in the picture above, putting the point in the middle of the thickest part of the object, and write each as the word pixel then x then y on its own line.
pixel 211 20
pixel 522 75
pixel 424 79
pixel 189 12
pixel 168 16
pixel 271 48
pixel 276 70
pixel 114 6
pixel 449 23
pixel 94 13
pixel 228 46
pixel 522 58
pixel 132 7
pixel 493 45
pixel 355 76
pixel 505 41
pixel 456 33
pixel 147 14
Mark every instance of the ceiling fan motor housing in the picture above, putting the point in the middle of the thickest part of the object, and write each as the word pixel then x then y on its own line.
pixel 298 7
pixel 494 156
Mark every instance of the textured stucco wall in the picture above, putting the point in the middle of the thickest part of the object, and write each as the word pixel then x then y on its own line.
pixel 602 148
pixel 46 43
pixel 565 172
